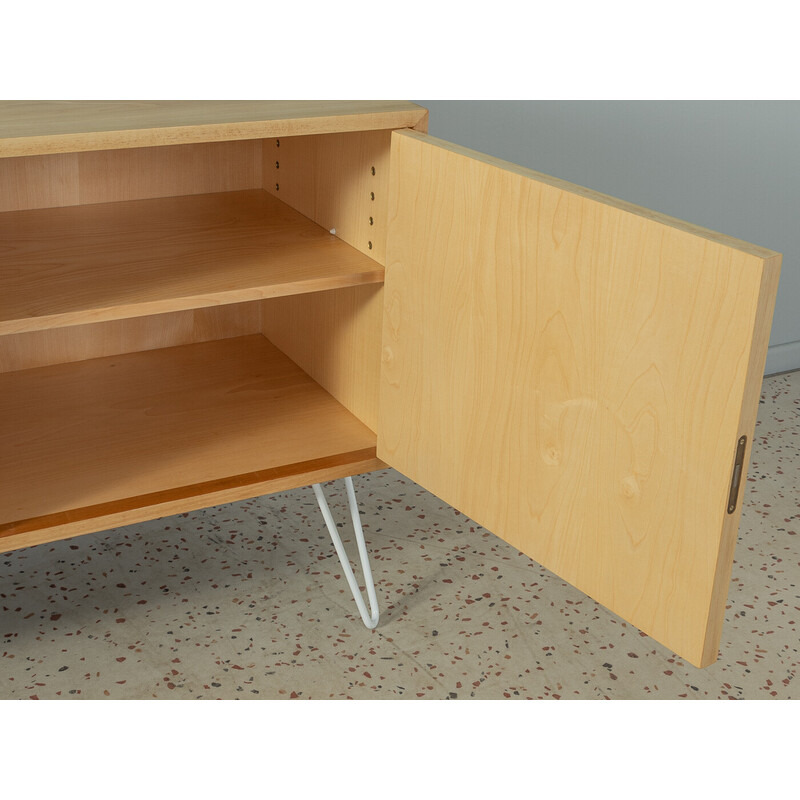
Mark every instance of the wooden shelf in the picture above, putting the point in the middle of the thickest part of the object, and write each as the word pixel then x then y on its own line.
pixel 111 441
pixel 68 266
pixel 36 127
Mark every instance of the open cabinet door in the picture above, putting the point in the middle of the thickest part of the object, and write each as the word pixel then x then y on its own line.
pixel 576 374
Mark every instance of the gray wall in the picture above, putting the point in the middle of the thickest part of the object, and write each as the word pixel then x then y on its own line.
pixel 732 166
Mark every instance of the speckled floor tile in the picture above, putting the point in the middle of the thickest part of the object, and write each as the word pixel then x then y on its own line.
pixel 247 601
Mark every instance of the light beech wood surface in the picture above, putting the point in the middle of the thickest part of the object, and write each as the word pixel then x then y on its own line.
pixel 340 181
pixel 80 342
pixel 80 264
pixel 335 337
pixel 34 127
pixel 124 438
pixel 573 373
pixel 106 176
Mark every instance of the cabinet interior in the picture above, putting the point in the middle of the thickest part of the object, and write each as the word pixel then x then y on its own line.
pixel 213 268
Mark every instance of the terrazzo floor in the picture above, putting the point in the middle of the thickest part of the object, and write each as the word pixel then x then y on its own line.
pixel 247 601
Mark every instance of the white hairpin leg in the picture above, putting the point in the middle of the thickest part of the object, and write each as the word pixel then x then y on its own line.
pixel 370 619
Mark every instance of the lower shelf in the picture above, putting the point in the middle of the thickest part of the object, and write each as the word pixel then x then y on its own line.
pixel 111 441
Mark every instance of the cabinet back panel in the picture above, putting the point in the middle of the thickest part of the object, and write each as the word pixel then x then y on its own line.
pixel 79 342
pixel 105 176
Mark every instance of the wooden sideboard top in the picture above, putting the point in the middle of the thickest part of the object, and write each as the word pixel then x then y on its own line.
pixel 37 127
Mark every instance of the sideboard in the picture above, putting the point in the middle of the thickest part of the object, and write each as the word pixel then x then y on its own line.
pixel 202 302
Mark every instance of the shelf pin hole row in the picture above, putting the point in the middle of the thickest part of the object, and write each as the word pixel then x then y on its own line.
pixel 371 197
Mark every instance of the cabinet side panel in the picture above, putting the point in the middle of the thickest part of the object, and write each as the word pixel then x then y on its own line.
pixel 105 176
pixel 422 125
pixel 330 179
pixel 79 342
pixel 335 336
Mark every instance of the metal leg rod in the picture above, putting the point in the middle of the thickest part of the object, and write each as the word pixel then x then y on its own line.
pixel 370 618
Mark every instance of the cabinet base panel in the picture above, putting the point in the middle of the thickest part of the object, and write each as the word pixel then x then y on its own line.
pixel 27 533
pixel 111 441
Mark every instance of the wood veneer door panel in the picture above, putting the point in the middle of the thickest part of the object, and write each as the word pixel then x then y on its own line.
pixel 574 373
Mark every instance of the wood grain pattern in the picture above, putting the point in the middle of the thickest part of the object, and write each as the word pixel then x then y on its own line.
pixel 573 373
pixel 335 337
pixel 37 127
pixel 177 427
pixel 107 176
pixel 81 342
pixel 68 266
pixel 338 180
pixel 39 182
